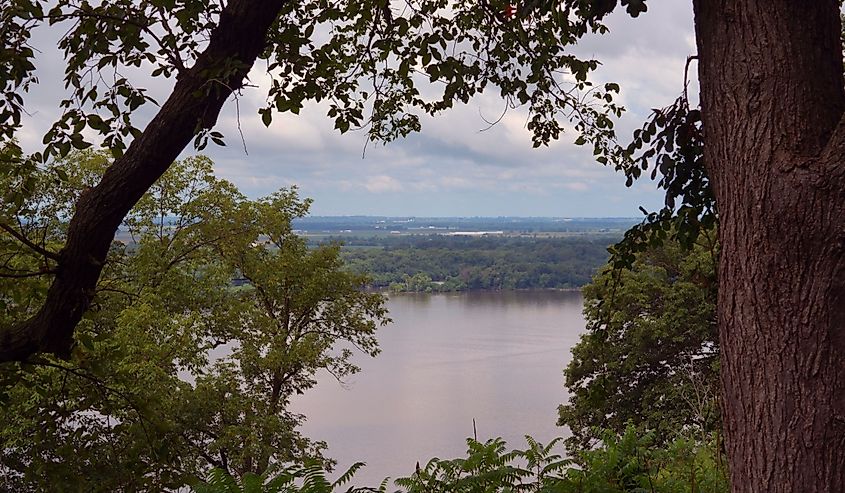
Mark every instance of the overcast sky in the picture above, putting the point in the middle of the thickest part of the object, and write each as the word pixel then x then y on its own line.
pixel 451 168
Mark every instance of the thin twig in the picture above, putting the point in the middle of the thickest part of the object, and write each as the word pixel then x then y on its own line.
pixel 238 119
pixel 686 76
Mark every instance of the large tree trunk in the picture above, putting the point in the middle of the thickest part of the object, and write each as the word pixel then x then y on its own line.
pixel 773 100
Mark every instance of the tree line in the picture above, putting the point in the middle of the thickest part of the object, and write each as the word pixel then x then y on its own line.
pixel 431 263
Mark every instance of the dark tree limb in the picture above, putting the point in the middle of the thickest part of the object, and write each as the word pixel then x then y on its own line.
pixel 29 244
pixel 194 105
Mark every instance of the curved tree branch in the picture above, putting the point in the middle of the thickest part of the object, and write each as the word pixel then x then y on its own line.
pixel 30 244
pixel 194 105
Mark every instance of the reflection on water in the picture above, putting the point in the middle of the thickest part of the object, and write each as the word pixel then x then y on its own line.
pixel 496 357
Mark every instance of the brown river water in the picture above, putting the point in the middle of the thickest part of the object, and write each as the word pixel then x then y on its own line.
pixel 496 357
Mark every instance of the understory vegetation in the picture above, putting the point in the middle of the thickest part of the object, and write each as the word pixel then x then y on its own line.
pixel 627 463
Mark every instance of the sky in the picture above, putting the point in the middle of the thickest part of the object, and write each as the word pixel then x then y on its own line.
pixel 453 167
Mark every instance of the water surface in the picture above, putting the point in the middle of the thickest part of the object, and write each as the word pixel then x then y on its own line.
pixel 496 357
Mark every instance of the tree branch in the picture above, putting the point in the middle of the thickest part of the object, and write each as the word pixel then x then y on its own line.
pixel 235 43
pixel 26 241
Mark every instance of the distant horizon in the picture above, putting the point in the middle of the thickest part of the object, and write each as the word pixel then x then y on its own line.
pixel 402 225
pixel 414 216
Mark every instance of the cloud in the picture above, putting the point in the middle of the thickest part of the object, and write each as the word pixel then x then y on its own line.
pixel 576 186
pixel 383 183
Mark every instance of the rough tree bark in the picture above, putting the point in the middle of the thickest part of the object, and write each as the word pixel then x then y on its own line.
pixel 773 100
pixel 195 102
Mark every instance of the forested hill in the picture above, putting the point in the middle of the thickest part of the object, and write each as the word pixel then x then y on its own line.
pixel 456 263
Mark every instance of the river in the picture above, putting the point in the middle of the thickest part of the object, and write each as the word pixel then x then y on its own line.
pixel 496 357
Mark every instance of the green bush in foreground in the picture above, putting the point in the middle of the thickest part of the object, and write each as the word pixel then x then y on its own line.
pixel 626 463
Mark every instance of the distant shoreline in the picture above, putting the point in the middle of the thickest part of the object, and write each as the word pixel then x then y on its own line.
pixel 480 290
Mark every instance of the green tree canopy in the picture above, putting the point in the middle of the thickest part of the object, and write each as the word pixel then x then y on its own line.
pixel 176 369
pixel 650 354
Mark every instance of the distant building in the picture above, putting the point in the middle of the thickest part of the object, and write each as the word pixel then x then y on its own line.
pixel 474 233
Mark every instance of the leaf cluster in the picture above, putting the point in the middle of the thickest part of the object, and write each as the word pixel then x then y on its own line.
pixel 307 478
pixel 671 145
pixel 629 461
